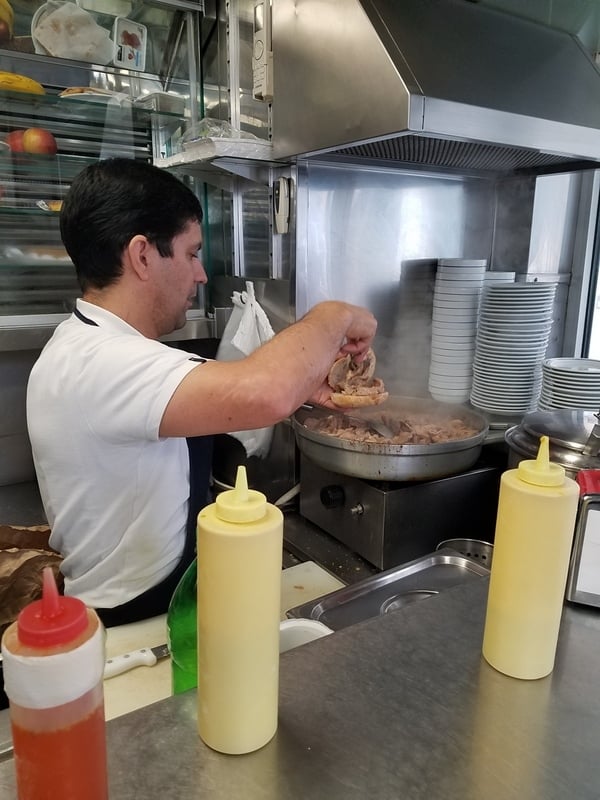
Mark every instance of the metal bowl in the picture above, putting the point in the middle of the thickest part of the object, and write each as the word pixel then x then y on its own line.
pixel 476 549
pixel 568 431
pixel 395 462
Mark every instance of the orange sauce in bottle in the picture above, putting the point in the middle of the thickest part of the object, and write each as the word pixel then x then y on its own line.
pixel 57 707
pixel 70 756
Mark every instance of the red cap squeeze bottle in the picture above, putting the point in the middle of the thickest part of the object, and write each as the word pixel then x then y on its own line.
pixel 53 664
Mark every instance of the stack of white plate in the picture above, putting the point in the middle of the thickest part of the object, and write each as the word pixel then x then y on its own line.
pixel 570 383
pixel 456 297
pixel 499 277
pixel 514 328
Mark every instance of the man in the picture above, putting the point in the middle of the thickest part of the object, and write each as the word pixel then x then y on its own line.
pixel 109 407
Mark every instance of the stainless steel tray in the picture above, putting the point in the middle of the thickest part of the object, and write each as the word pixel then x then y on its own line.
pixel 392 589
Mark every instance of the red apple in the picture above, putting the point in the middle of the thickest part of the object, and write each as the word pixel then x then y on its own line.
pixel 39 141
pixel 5 34
pixel 14 140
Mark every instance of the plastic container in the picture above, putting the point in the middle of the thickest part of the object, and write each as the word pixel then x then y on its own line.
pixel 182 632
pixel 240 540
pixel 53 658
pixel 537 508
pixel 130 44
pixel 296 632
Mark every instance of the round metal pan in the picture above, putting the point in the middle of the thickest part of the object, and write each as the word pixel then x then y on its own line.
pixel 395 462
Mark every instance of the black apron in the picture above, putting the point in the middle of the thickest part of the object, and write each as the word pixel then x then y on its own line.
pixel 155 601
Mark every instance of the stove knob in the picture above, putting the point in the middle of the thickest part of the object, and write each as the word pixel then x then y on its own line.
pixel 333 496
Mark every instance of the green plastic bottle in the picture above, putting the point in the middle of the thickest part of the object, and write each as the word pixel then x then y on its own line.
pixel 182 632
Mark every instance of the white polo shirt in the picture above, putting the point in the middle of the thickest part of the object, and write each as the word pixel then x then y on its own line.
pixel 115 493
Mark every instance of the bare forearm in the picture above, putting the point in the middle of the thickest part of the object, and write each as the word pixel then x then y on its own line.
pixel 274 380
pixel 300 357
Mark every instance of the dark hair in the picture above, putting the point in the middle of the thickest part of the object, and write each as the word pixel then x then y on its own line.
pixel 114 200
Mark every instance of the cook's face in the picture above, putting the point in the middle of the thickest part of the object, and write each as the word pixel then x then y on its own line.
pixel 180 276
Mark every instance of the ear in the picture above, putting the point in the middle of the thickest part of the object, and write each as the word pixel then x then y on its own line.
pixel 137 255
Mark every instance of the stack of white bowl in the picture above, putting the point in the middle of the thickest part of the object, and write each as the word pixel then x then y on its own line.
pixel 515 320
pixel 570 383
pixel 456 298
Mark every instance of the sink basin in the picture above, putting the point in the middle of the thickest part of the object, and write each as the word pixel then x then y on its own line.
pixel 392 590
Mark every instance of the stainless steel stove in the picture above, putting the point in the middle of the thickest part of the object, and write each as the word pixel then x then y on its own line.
pixel 390 523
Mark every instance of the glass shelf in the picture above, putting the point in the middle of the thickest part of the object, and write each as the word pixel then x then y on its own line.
pixel 25 211
pixel 31 167
pixel 24 265
pixel 89 106
pixel 165 23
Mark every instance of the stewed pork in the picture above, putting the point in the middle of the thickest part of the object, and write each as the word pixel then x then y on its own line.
pixel 354 384
pixel 407 428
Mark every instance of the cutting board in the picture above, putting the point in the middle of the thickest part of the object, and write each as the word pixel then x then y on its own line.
pixel 145 685
pixel 305 582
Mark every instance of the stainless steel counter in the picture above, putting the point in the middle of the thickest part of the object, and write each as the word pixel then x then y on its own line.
pixel 399 706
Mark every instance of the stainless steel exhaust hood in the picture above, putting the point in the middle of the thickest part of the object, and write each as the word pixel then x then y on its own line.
pixel 442 83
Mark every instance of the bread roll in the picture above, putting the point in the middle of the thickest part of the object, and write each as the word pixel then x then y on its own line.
pixel 344 400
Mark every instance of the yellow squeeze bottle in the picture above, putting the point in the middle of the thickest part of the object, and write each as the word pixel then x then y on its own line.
pixel 240 541
pixel 537 507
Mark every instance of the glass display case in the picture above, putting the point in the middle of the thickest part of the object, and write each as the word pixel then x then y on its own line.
pixel 60 110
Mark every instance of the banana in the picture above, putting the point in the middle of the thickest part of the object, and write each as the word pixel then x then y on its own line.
pixel 11 82
pixel 7 15
pixel 7 11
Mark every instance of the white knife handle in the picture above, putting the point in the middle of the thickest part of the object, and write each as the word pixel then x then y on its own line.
pixel 137 658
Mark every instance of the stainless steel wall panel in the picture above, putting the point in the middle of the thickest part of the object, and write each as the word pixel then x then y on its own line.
pixel 256 232
pixel 364 232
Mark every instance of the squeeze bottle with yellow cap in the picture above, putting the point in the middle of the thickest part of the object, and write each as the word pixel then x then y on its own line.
pixel 53 662
pixel 537 507
pixel 240 541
